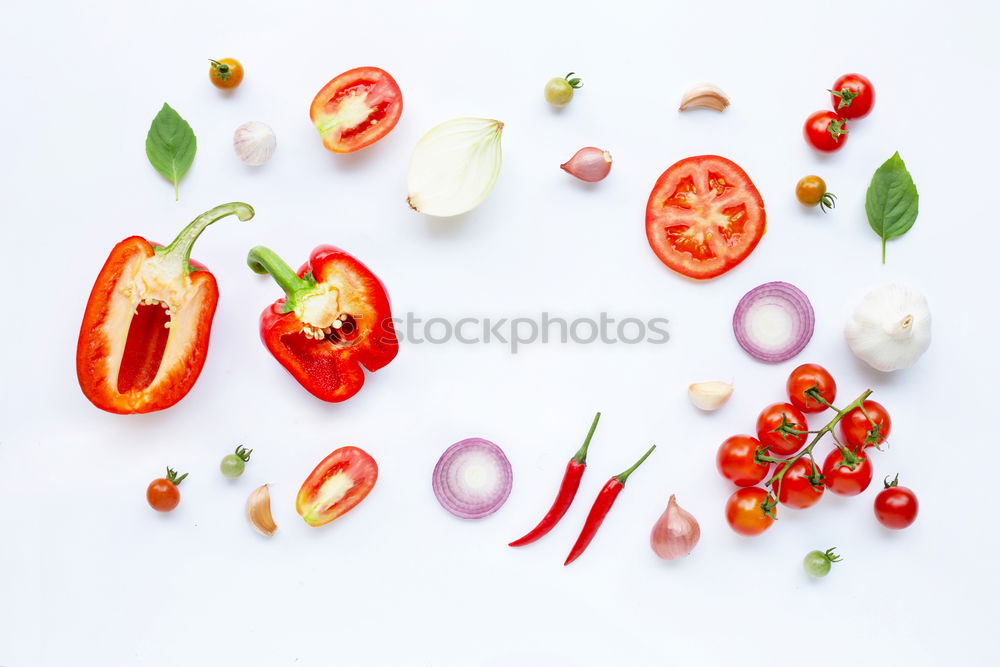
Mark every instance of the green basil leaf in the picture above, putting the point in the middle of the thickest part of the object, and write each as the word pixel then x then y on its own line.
pixel 170 145
pixel 891 201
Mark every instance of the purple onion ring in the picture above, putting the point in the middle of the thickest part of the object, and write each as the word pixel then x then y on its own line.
pixel 472 479
pixel 774 321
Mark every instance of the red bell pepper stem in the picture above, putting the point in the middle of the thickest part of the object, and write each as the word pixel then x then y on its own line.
pixel 264 260
pixel 605 499
pixel 567 492
pixel 179 250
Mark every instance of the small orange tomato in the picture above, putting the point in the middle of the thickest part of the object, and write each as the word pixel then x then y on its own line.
pixel 226 73
pixel 162 494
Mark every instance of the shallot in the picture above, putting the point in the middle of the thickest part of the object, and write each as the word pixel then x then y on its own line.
pixel 675 533
pixel 589 164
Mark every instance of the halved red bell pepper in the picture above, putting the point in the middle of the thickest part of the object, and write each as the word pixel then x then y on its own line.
pixel 334 319
pixel 145 331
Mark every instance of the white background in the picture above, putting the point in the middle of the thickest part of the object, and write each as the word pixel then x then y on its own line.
pixel 89 575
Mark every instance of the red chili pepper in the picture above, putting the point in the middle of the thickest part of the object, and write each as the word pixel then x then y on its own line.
pixel 145 331
pixel 605 499
pixel 567 492
pixel 334 319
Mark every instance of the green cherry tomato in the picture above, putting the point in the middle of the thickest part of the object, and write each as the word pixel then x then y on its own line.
pixel 233 465
pixel 559 91
pixel 817 563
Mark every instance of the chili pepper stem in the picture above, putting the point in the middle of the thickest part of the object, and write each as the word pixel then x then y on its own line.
pixel 624 476
pixel 264 260
pixel 581 455
pixel 179 250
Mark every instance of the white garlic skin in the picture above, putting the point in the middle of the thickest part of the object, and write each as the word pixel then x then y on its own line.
pixel 709 396
pixel 890 328
pixel 254 143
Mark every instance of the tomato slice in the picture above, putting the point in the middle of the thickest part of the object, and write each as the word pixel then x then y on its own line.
pixel 356 109
pixel 704 216
pixel 340 481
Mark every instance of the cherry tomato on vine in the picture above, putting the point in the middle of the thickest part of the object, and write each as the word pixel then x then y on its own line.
pixel 162 494
pixel 853 96
pixel 805 382
pixel 737 461
pixel 750 511
pixel 896 506
pixel 811 190
pixel 825 131
pixel 796 488
pixel 226 73
pixel 843 480
pixel 857 431
pixel 781 428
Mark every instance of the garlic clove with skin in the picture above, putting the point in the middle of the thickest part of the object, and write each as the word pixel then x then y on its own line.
pixel 704 95
pixel 710 396
pixel 259 511
pixel 676 533
pixel 890 328
pixel 254 143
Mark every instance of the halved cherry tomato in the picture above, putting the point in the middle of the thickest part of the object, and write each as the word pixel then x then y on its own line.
pixel 356 109
pixel 782 429
pixel 857 431
pixel 825 131
pixel 704 216
pixel 339 482
pixel 796 488
pixel 807 381
pixel 750 511
pixel 843 480
pixel 853 96
pixel 737 461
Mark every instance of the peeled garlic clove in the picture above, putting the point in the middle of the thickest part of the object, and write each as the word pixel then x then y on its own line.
pixel 455 166
pixel 704 95
pixel 259 511
pixel 890 328
pixel 589 164
pixel 676 533
pixel 710 396
pixel 254 143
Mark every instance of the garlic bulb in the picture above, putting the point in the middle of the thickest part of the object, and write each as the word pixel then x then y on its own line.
pixel 675 533
pixel 890 328
pixel 710 396
pixel 454 166
pixel 254 143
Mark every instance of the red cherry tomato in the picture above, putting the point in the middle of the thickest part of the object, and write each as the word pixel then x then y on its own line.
pixel 704 216
pixel 162 494
pixel 776 428
pixel 857 431
pixel 340 481
pixel 896 506
pixel 853 96
pixel 825 131
pixel 843 480
pixel 737 463
pixel 356 109
pixel 750 511
pixel 795 488
pixel 814 379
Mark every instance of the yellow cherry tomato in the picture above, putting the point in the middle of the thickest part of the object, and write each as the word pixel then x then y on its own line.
pixel 226 73
pixel 811 190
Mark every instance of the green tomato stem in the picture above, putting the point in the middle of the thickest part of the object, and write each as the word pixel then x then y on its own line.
pixel 856 403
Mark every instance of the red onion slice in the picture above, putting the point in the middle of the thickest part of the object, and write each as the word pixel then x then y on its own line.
pixel 472 479
pixel 774 321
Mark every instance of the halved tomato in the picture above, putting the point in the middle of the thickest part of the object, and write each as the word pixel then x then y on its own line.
pixel 340 481
pixel 356 109
pixel 704 216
